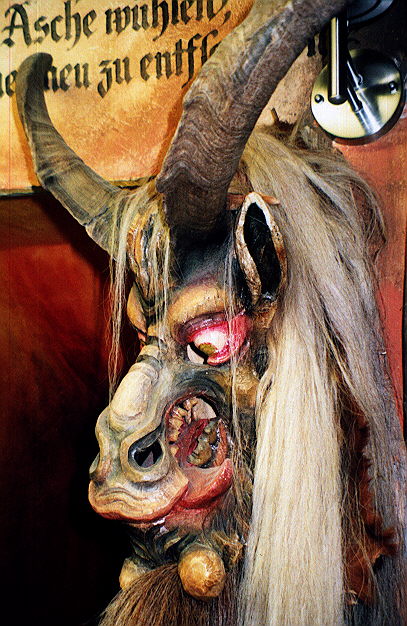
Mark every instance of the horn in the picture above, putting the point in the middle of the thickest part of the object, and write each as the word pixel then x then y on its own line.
pixel 88 197
pixel 223 105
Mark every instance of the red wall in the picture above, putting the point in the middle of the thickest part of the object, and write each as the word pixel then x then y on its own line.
pixel 60 560
pixel 384 164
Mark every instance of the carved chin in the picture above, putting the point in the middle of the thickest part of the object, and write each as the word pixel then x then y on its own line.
pixel 199 473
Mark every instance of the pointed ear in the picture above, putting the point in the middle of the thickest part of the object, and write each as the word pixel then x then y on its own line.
pixel 260 249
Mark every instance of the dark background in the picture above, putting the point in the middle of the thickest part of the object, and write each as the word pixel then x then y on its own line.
pixel 60 561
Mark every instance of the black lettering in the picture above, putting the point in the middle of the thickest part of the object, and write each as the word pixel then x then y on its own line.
pixel 54 34
pixel 8 84
pixel 204 46
pixel 211 12
pixel 82 82
pixel 135 23
pixel 63 75
pixel 178 57
pixel 52 73
pixel 159 65
pixel 108 27
pixel 117 20
pixel 118 70
pixel 17 10
pixel 187 4
pixel 191 61
pixel 121 19
pixel 144 63
pixel 199 10
pixel 87 21
pixel 38 26
pixel 163 6
pixel 107 71
pixel 144 17
pixel 121 73
pixel 174 12
pixel 68 23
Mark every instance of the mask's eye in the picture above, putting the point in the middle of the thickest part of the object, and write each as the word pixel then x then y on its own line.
pixel 214 342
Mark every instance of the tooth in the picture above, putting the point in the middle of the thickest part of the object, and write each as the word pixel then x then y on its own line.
pixel 189 403
pixel 211 431
pixel 202 453
pixel 176 421
pixel 179 411
pixel 173 435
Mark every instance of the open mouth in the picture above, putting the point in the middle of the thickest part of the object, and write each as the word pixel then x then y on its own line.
pixel 198 439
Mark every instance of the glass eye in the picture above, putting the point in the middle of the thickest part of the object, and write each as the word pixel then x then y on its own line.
pixel 216 341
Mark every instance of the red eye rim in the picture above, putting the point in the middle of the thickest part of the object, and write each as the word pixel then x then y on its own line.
pixel 235 331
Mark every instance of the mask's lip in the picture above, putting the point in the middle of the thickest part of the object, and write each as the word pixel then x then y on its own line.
pixel 219 478
pixel 194 505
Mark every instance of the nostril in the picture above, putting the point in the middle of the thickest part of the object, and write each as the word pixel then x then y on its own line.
pixel 147 457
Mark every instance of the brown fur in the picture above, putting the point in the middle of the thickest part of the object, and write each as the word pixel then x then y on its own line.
pixel 157 598
pixel 371 539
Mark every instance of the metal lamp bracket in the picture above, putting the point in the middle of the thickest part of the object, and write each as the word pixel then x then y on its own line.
pixel 359 95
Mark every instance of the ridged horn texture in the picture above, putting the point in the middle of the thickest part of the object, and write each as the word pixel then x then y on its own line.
pixel 224 103
pixel 88 197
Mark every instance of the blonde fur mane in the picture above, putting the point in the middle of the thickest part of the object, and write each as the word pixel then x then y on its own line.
pixel 324 343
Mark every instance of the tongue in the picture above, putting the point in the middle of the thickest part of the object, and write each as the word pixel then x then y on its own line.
pixel 206 484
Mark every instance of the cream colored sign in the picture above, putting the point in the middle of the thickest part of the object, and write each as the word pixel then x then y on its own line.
pixel 118 77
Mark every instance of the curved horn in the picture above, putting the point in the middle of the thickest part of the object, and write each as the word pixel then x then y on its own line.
pixel 87 196
pixel 224 103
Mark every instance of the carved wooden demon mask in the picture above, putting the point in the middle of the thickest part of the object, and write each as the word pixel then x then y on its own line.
pixel 251 447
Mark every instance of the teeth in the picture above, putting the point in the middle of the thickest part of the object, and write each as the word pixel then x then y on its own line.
pixel 175 425
pixel 202 453
pixel 173 435
pixel 189 403
pixel 193 409
pixel 210 431
pixel 176 422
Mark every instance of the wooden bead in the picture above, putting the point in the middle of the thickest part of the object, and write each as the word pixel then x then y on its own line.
pixel 202 573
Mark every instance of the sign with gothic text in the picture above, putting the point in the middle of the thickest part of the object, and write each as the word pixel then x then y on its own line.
pixel 118 76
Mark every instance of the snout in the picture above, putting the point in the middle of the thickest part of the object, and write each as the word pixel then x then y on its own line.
pixel 164 446
pixel 135 475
